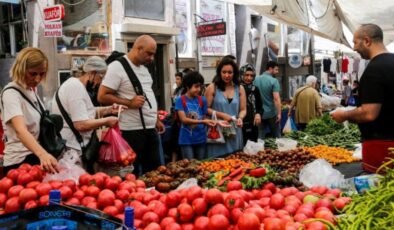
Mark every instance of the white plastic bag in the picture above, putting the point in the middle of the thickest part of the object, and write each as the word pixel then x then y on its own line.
pixel 285 144
pixel 69 167
pixel 252 148
pixel 358 152
pixel 188 184
pixel 287 128
pixel 320 172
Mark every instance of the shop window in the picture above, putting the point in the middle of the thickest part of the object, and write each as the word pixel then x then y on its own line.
pixel 147 9
pixel 298 41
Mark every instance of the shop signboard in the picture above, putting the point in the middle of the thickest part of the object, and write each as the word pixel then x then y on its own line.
pixel 54 13
pixel 212 29
pixel 53 29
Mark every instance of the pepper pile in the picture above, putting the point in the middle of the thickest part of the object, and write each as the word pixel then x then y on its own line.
pixel 334 155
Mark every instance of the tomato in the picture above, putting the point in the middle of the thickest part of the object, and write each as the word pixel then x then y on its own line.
pixel 31 204
pixel 264 202
pixel 166 221
pixel 140 211
pixel 213 196
pixel 119 204
pixel 105 198
pixel 270 186
pixel 71 184
pixel 326 215
pixel 111 184
pixel 325 202
pixel 193 193
pixel 272 224
pixel 44 200
pixel 73 201
pixel 66 192
pixel 93 191
pixel 300 217
pixel 87 199
pixel 173 199
pixel 84 179
pixel 286 191
pixel 24 179
pixel 43 189
pixel 150 217
pixel 111 210
pixel 234 201
pixel 340 203
pixel 123 194
pixel 185 212
pixel 14 190
pixel 219 209
pixel 3 199
pixel 153 226
pixel 248 221
pixel 13 175
pixel 56 184
pixel 199 206
pixel 173 212
pixel 5 184
pixel 27 194
pixel 234 185
pixel 130 177
pixel 159 208
pixel 235 214
pixel 335 192
pixel 98 180
pixel 259 212
pixel 129 186
pixel 117 178
pixel 79 194
pixel 12 205
pixel 201 223
pixel 319 189
pixel 36 173
pixel 316 225
pixel 92 205
pixel 32 184
pixel 187 226
pixel 173 226
pixel 290 209
pixel 277 201
pixel 140 184
pixel 138 224
pixel 218 222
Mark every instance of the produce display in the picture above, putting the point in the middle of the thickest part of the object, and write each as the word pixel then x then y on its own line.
pixel 334 155
pixel 224 164
pixel 373 209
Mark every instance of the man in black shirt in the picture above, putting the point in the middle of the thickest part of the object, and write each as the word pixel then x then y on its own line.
pixel 375 114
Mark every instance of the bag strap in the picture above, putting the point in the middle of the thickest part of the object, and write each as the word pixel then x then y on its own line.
pixel 136 84
pixel 199 98
pixel 25 97
pixel 68 119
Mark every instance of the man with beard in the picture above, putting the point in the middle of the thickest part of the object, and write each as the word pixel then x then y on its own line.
pixel 269 89
pixel 374 114
pixel 139 123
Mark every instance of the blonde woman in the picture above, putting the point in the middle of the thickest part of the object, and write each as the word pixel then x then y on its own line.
pixel 20 119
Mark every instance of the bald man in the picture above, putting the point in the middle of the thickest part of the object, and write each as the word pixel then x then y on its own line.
pixel 139 123
pixel 375 112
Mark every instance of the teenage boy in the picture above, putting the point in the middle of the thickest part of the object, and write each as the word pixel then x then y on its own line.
pixel 192 109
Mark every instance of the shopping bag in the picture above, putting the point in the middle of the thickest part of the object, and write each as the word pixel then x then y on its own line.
pixel 287 127
pixel 230 131
pixel 293 125
pixel 115 150
pixel 215 133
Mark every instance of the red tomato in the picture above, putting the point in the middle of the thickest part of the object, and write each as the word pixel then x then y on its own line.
pixel 66 192
pixel 290 209
pixel 153 226
pixel 92 191
pixel 5 184
pixel 150 217
pixel 130 177
pixel 13 175
pixel 79 194
pixel 12 205
pixel 32 184
pixel 235 214
pixel 193 193
pixel 111 210
pixel 122 194
pixel 166 221
pixel 341 202
pixel 71 184
pixel 248 221
pixel 98 180
pixel 140 211
pixel 117 178
pixel 326 215
pixel 187 226
pixel 218 222
pixel 24 179
pixel 270 186
pixel 214 196
pixel 111 184
pixel 199 206
pixel 105 198
pixel 84 179
pixel 14 190
pixel 264 193
pixel 44 200
pixel 129 186
pixel 300 217
pixel 219 209
pixel 159 208
pixel 173 226
pixel 325 202
pixel 272 224
pixel 3 199
pixel 319 189
pixel 201 223
pixel 234 201
pixel 36 173
pixel 27 194
pixel 31 204
pixel 73 201
pixel 140 184
pixel 88 199
pixel 277 201
pixel 25 166
pixel 185 212
pixel 173 212
pixel 92 205
pixel 119 204
pixel 335 192
pixel 316 225
pixel 234 185
pixel 173 199
pixel 56 184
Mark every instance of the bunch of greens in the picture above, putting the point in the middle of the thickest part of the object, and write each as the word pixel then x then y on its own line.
pixel 323 126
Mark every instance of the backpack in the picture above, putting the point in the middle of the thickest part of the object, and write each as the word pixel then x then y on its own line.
pixel 183 98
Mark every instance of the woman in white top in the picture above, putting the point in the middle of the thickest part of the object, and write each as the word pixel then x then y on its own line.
pixel 20 120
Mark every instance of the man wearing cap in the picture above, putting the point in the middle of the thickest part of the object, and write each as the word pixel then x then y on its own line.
pixel 139 123
pixel 74 97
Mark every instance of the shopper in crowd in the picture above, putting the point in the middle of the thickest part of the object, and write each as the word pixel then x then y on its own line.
pixel 346 92
pixel 253 104
pixel 227 98
pixel 269 89
pixel 139 123
pixel 74 98
pixel 355 89
pixel 192 110
pixel 178 82
pixel 375 112
pixel 306 102
pixel 20 119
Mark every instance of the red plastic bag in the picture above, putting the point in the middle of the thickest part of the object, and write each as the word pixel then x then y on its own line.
pixel 115 150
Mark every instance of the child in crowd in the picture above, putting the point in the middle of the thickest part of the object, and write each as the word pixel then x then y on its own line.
pixel 254 105
pixel 192 109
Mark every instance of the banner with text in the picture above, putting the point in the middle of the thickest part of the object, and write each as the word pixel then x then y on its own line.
pixel 53 29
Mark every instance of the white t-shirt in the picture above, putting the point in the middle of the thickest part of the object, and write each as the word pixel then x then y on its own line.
pixel 76 101
pixel 117 79
pixel 15 105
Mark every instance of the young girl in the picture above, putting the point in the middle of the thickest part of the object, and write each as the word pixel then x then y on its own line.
pixel 191 109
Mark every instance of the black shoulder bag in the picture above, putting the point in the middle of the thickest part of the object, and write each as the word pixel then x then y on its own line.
pixel 50 127
pixel 136 84
pixel 91 150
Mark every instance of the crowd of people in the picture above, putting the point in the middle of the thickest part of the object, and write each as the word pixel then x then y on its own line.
pixel 238 103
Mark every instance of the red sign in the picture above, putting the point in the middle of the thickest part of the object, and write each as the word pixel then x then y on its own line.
pixel 214 29
pixel 54 13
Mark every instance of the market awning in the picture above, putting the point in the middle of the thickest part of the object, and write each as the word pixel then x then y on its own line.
pixel 10 1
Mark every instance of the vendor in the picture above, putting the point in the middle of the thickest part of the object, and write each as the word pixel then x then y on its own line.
pixel 375 112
